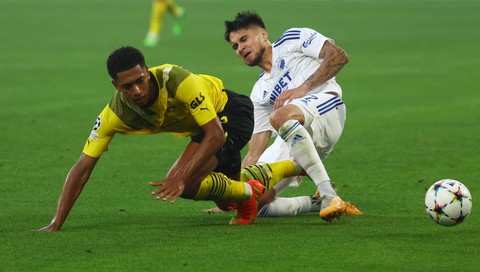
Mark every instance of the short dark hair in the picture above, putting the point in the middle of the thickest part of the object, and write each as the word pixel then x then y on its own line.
pixel 124 58
pixel 243 19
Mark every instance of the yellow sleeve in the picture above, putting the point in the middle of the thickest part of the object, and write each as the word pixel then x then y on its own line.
pixel 102 133
pixel 197 99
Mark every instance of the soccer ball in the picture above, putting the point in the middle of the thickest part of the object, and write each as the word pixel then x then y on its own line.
pixel 448 202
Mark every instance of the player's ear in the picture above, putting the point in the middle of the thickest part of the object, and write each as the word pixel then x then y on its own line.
pixel 115 84
pixel 147 72
pixel 264 33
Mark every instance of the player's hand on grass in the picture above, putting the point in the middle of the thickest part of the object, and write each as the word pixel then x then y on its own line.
pixel 214 210
pixel 169 189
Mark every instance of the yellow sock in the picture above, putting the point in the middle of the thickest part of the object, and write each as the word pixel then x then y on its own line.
pixel 269 174
pixel 157 16
pixel 217 186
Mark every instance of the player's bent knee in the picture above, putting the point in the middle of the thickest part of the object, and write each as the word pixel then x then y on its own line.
pixel 285 113
pixel 277 119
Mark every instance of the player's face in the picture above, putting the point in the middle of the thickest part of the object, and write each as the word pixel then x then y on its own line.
pixel 135 84
pixel 249 44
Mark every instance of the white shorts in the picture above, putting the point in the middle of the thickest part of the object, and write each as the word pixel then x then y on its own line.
pixel 325 116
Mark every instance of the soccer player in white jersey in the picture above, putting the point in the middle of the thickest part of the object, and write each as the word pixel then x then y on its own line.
pixel 295 96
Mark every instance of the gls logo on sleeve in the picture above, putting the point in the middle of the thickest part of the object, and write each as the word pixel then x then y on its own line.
pixel 197 101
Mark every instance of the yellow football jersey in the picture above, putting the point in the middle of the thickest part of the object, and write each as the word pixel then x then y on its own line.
pixel 186 101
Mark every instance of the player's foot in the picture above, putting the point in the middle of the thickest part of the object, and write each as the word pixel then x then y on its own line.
pixel 214 210
pixel 178 22
pixel 317 193
pixel 351 209
pixel 151 40
pixel 230 207
pixel 333 207
pixel 247 211
pixel 316 204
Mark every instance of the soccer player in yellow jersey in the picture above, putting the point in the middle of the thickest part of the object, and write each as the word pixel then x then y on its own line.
pixel 168 98
pixel 157 17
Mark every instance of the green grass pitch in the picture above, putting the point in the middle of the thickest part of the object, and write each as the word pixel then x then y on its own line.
pixel 412 94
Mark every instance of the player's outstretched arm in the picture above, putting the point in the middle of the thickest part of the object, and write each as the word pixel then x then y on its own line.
pixel 74 183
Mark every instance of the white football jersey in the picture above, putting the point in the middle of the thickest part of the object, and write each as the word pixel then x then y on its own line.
pixel 294 59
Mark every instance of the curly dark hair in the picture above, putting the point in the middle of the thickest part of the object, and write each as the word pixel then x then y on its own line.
pixel 124 58
pixel 243 19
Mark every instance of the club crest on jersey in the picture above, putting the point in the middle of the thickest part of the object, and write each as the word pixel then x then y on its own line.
pixel 309 40
pixel 281 64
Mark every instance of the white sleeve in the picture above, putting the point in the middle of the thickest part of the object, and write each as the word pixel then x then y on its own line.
pixel 261 116
pixel 311 42
pixel 261 110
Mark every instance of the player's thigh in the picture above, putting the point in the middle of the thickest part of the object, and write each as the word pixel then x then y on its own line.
pixel 324 119
pixel 237 122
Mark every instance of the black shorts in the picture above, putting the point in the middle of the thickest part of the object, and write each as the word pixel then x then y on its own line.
pixel 237 122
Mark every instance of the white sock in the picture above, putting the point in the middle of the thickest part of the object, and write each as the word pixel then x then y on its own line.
pixel 291 206
pixel 152 35
pixel 303 150
pixel 248 191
